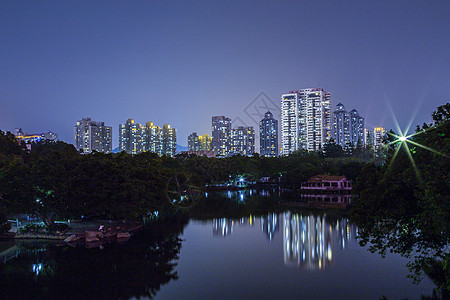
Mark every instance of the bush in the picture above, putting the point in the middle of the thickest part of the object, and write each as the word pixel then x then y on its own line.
pixel 34 228
pixel 5 226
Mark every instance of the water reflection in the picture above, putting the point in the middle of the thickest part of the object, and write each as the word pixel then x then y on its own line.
pixel 269 225
pixel 308 239
pixel 222 227
pixel 51 270
pixel 326 198
pixel 243 195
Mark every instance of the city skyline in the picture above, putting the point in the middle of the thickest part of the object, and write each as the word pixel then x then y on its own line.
pixel 110 60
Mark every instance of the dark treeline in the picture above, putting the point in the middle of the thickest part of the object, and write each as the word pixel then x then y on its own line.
pixel 54 181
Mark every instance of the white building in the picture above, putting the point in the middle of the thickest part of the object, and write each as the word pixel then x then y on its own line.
pixel 305 120
pixel 92 136
pixel 379 134
pixel 290 122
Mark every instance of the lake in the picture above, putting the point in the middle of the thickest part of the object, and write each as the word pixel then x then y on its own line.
pixel 288 254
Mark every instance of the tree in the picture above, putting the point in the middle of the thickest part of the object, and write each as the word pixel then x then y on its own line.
pixel 331 149
pixel 404 206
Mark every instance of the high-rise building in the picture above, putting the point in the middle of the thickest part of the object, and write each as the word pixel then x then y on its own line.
pixel 169 140
pixel 368 138
pixel 379 134
pixel 340 129
pixel 130 137
pixel 193 142
pixel 221 129
pixel 356 128
pixel 92 136
pixel 347 127
pixel 305 120
pixel 152 138
pixel 242 140
pixel 135 138
pixel 199 143
pixel 290 122
pixel 205 142
pixel 268 135
pixel 315 109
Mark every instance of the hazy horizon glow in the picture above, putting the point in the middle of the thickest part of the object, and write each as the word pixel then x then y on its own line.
pixel 181 62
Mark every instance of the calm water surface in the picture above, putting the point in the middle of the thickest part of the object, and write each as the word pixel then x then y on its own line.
pixel 283 255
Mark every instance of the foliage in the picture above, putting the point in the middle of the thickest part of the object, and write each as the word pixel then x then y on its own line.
pixel 404 206
pixel 5 226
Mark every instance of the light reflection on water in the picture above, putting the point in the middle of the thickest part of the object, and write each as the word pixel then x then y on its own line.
pixel 308 240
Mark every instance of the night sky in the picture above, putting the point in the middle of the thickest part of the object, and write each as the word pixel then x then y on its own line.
pixel 181 62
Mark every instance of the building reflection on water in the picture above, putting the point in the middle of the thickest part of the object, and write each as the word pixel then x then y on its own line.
pixel 308 240
pixel 222 227
pixel 269 225
pixel 326 198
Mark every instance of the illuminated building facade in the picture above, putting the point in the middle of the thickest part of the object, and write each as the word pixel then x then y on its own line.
pixel 152 138
pixel 268 135
pixel 290 122
pixel 135 138
pixel 356 128
pixel 315 111
pixel 305 120
pixel 130 137
pixel 169 140
pixel 193 142
pixel 379 134
pixel 199 143
pixel 347 127
pixel 92 136
pixel 340 130
pixel 242 140
pixel 205 142
pixel 34 137
pixel 368 137
pixel 221 130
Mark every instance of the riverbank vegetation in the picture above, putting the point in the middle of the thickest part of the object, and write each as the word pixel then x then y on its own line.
pixel 404 205
pixel 54 181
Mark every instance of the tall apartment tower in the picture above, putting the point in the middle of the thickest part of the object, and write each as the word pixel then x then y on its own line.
pixel 205 142
pixel 221 129
pixel 379 134
pixel 193 142
pixel 340 129
pixel 290 122
pixel 356 128
pixel 268 135
pixel 243 140
pixel 92 136
pixel 151 138
pixel 169 140
pixel 347 127
pixel 305 120
pixel 199 143
pixel 135 138
pixel 130 137
pixel 315 109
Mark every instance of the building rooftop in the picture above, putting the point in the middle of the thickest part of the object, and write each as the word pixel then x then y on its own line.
pixel 327 178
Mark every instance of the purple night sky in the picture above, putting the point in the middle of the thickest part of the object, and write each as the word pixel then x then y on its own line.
pixel 181 62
